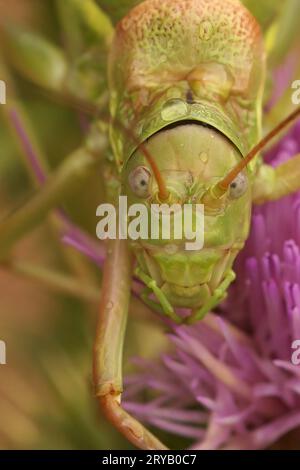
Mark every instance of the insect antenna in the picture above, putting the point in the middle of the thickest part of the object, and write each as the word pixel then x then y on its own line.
pixel 92 111
pixel 222 186
pixel 163 192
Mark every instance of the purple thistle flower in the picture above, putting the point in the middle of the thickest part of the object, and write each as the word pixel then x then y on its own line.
pixel 27 146
pixel 229 382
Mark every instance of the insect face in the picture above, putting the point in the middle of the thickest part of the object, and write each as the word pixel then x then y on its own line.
pixel 191 159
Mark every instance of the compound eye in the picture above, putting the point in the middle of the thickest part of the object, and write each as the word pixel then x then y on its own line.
pixel 238 186
pixel 139 180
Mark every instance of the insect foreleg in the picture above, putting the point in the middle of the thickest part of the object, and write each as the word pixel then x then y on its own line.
pixel 219 294
pixel 109 345
pixel 274 183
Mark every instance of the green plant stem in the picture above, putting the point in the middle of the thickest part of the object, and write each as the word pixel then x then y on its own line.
pixel 56 281
pixel 71 176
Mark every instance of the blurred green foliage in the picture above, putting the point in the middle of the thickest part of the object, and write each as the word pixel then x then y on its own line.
pixel 46 396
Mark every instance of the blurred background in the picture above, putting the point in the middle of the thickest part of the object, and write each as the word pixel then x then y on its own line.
pixel 46 394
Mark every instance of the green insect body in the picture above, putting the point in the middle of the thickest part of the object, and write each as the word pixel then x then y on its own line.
pixel 198 67
pixel 186 82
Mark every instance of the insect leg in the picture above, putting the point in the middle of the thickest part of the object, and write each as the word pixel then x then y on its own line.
pixel 219 294
pixel 109 345
pixel 274 183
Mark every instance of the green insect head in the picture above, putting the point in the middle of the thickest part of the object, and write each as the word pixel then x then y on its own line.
pixel 182 165
pixel 193 112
